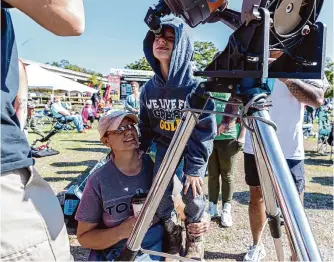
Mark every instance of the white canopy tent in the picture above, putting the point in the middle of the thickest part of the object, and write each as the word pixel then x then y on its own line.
pixel 39 78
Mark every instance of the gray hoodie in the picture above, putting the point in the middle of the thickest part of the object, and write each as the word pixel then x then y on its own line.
pixel 161 102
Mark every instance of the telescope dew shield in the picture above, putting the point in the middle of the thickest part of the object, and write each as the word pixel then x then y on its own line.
pixel 194 11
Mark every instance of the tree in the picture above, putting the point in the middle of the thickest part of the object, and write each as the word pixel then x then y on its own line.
pixel 64 63
pixel 67 65
pixel 95 80
pixel 203 54
pixel 329 72
pixel 141 64
pixel 53 64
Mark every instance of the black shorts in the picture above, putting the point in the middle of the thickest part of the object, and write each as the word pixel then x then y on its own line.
pixel 296 169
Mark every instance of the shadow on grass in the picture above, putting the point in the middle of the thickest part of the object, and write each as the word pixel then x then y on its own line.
pixel 220 256
pixel 323 180
pixel 84 141
pixel 76 180
pixel 311 200
pixel 89 163
pixel 318 201
pixel 94 149
pixel 241 197
pixel 68 172
pixel 312 158
pixel 79 253
pixel 57 179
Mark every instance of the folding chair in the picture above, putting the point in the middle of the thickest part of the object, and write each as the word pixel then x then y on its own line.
pixel 324 133
pixel 60 123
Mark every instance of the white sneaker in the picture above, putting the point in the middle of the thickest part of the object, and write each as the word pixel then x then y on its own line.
pixel 226 218
pixel 213 210
pixel 255 253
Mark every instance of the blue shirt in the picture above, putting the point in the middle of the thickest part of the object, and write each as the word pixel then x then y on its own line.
pixel 15 149
pixel 56 108
pixel 132 103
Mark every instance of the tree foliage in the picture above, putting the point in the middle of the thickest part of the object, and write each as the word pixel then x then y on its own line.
pixel 67 65
pixel 140 64
pixel 203 54
pixel 329 71
pixel 95 80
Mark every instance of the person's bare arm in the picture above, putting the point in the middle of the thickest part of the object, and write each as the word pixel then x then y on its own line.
pixel 242 135
pixel 90 237
pixel 64 113
pixel 305 93
pixel 21 100
pixel 61 17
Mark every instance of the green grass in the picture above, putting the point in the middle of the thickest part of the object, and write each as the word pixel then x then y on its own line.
pixel 79 152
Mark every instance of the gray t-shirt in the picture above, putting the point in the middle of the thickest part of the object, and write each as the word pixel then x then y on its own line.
pixel 107 195
pixel 106 200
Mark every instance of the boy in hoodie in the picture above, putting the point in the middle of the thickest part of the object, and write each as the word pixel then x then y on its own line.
pixel 161 101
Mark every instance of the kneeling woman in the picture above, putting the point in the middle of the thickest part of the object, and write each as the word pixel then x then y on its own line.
pixel 105 213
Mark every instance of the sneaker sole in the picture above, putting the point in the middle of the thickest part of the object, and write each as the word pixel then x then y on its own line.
pixel 225 226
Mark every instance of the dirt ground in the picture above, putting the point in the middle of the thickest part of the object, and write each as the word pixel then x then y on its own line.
pixel 80 152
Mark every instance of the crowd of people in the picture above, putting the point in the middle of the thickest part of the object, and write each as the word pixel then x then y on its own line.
pixel 32 223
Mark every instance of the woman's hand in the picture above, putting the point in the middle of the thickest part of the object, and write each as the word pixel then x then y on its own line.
pixel 198 229
pixel 127 226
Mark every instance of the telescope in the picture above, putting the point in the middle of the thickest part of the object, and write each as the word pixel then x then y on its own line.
pixel 285 27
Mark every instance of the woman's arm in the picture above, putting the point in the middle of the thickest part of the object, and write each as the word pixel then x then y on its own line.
pixel 91 237
pixel 61 17
pixel 21 100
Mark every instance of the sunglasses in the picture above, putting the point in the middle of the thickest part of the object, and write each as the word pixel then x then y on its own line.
pixel 122 129
pixel 170 36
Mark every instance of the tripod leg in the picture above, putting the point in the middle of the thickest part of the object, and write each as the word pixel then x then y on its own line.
pixel 160 183
pixel 298 228
pixel 268 193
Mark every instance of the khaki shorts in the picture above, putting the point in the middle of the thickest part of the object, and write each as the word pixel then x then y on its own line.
pixel 32 222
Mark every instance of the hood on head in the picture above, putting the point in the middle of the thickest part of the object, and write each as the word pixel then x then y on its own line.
pixel 180 71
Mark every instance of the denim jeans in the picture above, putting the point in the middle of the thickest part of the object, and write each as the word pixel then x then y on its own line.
pixel 77 120
pixel 152 241
pixel 194 207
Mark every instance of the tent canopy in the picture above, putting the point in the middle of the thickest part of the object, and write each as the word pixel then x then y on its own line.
pixel 39 78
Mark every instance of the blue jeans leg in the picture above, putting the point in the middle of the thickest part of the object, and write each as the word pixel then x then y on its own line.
pixel 194 207
pixel 77 120
pixel 166 207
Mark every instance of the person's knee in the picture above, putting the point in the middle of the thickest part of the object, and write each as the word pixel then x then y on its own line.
pixel 227 176
pixel 194 204
pixel 255 197
pixel 213 176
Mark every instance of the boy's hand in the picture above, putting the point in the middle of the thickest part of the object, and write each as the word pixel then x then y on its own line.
pixel 222 128
pixel 198 229
pixel 196 184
